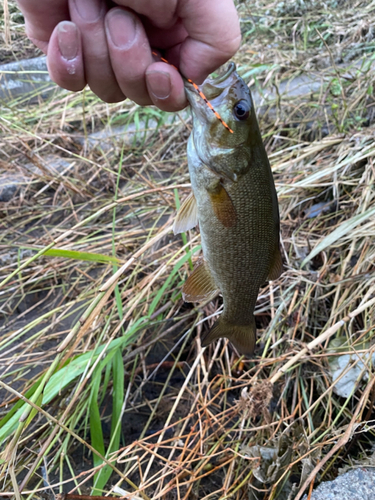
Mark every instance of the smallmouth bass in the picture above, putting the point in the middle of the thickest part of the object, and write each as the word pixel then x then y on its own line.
pixel 235 203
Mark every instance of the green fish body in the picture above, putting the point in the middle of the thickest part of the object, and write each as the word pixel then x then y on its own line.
pixel 235 202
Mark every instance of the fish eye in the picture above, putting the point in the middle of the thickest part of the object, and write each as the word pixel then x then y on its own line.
pixel 241 110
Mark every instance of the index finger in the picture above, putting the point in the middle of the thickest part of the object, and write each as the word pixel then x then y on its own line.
pixel 41 17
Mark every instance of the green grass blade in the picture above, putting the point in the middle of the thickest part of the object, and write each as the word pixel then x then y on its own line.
pixel 118 374
pixel 96 432
pixel 75 255
pixel 19 403
pixel 33 411
pixel 117 290
pixel 104 384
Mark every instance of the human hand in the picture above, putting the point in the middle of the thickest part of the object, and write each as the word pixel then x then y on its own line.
pixel 111 49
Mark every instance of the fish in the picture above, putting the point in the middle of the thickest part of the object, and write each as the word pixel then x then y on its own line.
pixel 234 202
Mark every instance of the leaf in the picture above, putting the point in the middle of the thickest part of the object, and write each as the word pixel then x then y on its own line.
pixel 336 87
pixel 96 432
pixel 19 403
pixel 34 411
pixel 76 255
pixel 102 477
pixel 338 233
pixel 105 382
pixel 346 374
pixel 87 256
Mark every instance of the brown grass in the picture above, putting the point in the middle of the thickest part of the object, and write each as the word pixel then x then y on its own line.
pixel 194 423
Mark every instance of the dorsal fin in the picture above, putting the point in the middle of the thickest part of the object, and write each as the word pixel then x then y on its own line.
pixel 200 285
pixel 187 216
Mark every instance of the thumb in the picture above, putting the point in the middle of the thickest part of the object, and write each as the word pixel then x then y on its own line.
pixel 214 36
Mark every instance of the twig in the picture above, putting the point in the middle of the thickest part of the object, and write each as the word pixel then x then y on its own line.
pixel 322 337
pixel 73 496
pixel 138 253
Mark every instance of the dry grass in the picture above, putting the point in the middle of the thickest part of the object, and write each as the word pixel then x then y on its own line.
pixel 106 352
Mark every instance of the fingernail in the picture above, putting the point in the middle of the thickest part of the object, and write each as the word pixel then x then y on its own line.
pixel 67 38
pixel 159 84
pixel 121 28
pixel 89 10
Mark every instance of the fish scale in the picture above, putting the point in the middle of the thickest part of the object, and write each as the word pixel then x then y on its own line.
pixel 234 262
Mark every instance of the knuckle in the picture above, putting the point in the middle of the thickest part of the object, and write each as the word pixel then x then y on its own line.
pixel 233 44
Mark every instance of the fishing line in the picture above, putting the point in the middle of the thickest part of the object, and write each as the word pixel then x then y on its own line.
pixel 200 93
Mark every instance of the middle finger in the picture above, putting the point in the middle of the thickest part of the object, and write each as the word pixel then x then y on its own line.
pixel 89 16
pixel 130 53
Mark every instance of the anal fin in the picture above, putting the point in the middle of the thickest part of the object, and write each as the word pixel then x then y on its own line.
pixel 277 266
pixel 223 207
pixel 200 285
pixel 243 337
pixel 187 216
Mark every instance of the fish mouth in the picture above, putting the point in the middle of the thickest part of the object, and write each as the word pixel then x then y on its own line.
pixel 220 79
pixel 211 87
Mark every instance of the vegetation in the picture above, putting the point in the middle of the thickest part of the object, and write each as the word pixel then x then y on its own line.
pixel 104 386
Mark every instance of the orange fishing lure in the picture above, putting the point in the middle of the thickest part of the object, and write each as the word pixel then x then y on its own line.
pixel 201 95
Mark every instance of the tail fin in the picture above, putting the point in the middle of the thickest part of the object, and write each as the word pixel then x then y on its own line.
pixel 242 336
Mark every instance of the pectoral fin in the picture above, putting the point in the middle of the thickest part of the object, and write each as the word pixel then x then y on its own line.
pixel 200 285
pixel 223 206
pixel 276 266
pixel 242 336
pixel 187 216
